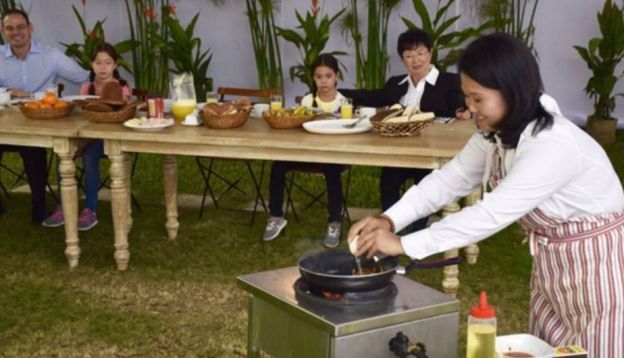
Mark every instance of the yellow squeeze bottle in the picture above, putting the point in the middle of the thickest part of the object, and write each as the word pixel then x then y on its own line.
pixel 481 330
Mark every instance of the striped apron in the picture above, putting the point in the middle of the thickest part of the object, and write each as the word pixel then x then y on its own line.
pixel 577 281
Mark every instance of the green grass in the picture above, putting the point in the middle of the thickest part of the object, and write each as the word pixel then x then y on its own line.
pixel 180 298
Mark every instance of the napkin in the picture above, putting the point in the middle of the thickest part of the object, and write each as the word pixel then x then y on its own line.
pixel 193 119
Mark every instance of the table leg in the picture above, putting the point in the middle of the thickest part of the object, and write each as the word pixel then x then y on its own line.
pixel 119 202
pixel 472 251
pixel 170 174
pixel 128 168
pixel 450 283
pixel 65 149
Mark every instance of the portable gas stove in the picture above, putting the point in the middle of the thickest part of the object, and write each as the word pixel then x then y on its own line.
pixel 288 318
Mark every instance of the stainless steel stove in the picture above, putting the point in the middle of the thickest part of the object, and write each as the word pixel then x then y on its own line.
pixel 284 322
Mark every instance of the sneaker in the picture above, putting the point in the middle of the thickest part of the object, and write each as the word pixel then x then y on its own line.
pixel 87 219
pixel 274 226
pixel 332 239
pixel 56 219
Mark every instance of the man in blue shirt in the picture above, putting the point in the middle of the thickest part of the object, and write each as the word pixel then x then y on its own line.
pixel 26 67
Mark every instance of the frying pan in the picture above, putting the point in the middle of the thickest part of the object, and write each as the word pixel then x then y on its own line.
pixel 333 270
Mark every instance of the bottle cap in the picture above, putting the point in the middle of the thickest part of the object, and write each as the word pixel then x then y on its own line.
pixel 482 309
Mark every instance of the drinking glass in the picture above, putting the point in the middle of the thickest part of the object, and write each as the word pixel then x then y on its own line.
pixel 212 97
pixel 276 103
pixel 183 96
pixel 346 109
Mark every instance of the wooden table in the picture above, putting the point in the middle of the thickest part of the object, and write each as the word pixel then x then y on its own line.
pixel 255 140
pixel 60 135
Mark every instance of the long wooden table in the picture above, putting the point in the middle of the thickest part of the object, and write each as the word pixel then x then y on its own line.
pixel 255 140
pixel 60 135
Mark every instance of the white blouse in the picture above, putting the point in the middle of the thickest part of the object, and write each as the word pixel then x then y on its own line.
pixel 561 170
pixel 329 107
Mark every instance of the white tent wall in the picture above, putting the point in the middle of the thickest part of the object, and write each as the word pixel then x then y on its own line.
pixel 560 24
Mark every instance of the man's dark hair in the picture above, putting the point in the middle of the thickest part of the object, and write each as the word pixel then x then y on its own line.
pixel 503 63
pixel 14 11
pixel 411 39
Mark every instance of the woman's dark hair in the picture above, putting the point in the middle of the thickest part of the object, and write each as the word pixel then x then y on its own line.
pixel 503 63
pixel 110 50
pixel 411 39
pixel 19 12
pixel 327 60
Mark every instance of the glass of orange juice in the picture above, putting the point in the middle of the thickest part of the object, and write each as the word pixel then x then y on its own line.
pixel 276 103
pixel 184 101
pixel 346 109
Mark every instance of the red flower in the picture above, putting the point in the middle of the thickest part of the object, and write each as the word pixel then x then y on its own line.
pixel 315 7
pixel 83 2
pixel 91 34
pixel 150 13
pixel 171 9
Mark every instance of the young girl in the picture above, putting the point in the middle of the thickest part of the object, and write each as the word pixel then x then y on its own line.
pixel 104 63
pixel 325 71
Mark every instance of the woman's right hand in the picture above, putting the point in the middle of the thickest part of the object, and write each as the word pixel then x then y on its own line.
pixel 367 225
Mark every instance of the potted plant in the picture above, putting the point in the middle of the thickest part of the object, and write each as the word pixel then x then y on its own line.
pixel 602 55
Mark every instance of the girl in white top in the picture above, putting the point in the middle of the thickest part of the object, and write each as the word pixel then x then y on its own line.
pixel 326 97
pixel 545 173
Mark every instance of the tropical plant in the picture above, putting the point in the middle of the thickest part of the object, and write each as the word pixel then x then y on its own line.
pixel 603 55
pixel 7 5
pixel 184 51
pixel 149 62
pixel 371 63
pixel 81 53
pixel 442 38
pixel 265 45
pixel 311 44
pixel 513 17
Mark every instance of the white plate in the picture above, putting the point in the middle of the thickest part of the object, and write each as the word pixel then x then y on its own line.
pixel 524 343
pixel 148 125
pixel 81 97
pixel 334 126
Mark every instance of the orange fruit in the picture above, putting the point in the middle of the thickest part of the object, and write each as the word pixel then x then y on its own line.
pixel 49 98
pixel 61 104
pixel 31 105
pixel 45 105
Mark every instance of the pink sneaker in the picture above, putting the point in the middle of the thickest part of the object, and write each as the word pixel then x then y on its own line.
pixel 56 219
pixel 87 220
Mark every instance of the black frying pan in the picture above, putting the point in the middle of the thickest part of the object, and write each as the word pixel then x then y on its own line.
pixel 333 270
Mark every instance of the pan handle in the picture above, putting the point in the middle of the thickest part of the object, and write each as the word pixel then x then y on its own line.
pixel 417 264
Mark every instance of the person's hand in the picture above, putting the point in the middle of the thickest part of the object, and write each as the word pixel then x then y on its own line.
pixel 375 235
pixel 462 113
pixel 18 93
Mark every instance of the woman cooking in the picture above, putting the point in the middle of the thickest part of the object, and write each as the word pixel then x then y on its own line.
pixel 544 172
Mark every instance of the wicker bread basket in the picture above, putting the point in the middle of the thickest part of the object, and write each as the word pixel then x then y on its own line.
pixel 226 121
pixel 45 113
pixel 397 129
pixel 286 121
pixel 110 117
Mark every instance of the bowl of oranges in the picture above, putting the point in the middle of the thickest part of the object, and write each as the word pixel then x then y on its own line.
pixel 48 107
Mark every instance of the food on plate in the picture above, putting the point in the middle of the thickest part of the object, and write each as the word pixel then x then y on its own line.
pixel 144 122
pixel 409 114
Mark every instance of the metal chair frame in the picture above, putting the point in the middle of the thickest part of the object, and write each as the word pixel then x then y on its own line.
pixel 314 198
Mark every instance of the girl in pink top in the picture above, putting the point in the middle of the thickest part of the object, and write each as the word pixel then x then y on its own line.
pixel 104 63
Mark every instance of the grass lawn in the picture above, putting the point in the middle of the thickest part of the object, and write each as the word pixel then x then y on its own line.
pixel 180 298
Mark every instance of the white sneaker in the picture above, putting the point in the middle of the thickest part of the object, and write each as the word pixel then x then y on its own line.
pixel 274 226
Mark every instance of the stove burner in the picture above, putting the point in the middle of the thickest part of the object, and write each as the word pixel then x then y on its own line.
pixel 383 296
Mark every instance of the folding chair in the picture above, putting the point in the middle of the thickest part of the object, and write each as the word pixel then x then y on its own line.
pixel 206 165
pixel 315 198
pixel 21 177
